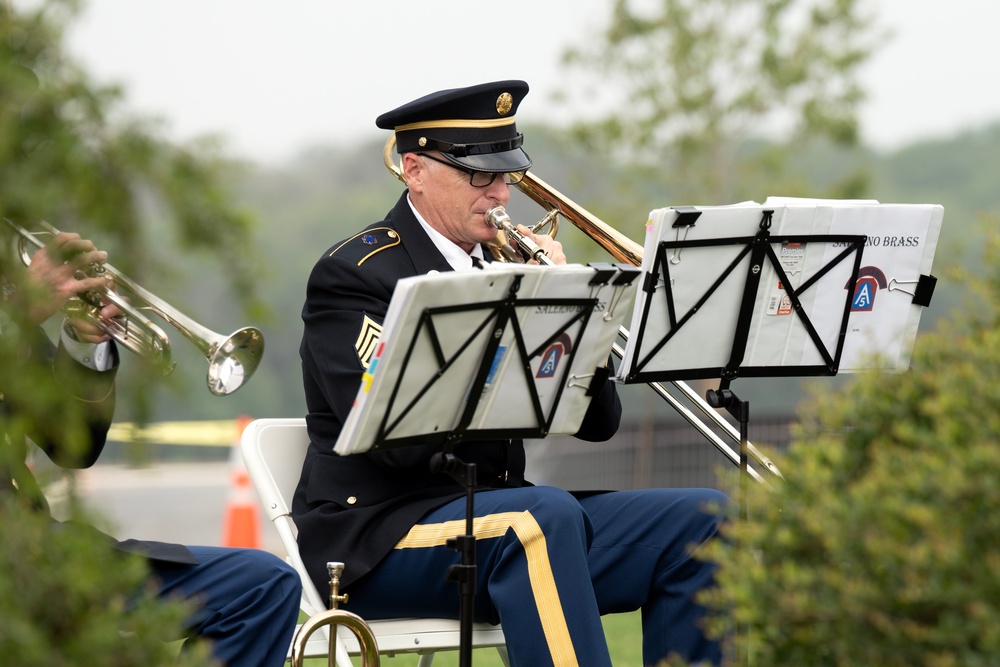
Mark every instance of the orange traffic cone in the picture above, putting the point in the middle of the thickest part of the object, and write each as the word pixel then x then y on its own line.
pixel 241 524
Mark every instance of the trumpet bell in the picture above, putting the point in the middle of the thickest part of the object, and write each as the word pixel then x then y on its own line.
pixel 233 361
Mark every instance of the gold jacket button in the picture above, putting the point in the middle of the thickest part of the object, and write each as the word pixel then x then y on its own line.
pixel 352 499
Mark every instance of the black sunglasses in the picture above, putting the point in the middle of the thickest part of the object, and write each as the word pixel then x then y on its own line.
pixel 480 179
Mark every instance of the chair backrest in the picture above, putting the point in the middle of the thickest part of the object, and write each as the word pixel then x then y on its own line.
pixel 273 451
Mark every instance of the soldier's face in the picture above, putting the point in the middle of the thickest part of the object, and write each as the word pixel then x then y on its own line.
pixel 451 204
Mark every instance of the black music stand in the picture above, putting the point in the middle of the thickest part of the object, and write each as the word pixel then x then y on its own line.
pixel 746 265
pixel 779 277
pixel 771 290
pixel 724 300
pixel 550 349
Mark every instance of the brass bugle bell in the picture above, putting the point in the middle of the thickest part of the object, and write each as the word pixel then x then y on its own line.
pixel 333 617
pixel 232 359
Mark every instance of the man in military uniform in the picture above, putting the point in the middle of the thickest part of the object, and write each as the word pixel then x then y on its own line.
pixel 549 562
pixel 246 600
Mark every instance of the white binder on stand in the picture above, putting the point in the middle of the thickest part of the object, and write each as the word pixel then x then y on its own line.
pixel 790 287
pixel 508 352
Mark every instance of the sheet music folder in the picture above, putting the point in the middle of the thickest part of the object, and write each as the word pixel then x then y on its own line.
pixel 819 303
pixel 511 351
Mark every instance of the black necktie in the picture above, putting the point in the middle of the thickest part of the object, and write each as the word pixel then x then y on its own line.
pixel 476 262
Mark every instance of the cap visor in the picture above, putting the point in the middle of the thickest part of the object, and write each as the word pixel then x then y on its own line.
pixel 515 160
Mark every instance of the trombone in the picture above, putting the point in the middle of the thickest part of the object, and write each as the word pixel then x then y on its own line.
pixel 232 359
pixel 624 250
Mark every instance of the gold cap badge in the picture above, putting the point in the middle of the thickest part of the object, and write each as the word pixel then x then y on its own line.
pixel 504 103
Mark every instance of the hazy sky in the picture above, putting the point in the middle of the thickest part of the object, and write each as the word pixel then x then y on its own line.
pixel 275 77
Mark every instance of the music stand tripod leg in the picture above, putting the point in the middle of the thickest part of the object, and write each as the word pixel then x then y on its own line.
pixel 465 572
pixel 740 410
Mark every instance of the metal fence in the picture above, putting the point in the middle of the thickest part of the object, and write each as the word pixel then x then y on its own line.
pixel 649 455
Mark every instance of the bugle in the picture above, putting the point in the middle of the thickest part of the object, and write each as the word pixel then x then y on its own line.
pixel 333 617
pixel 232 359
pixel 627 251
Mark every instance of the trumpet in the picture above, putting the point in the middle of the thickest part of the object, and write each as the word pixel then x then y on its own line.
pixel 232 359
pixel 624 250
pixel 334 617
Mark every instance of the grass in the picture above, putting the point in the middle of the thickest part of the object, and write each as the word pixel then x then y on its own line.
pixel 623 632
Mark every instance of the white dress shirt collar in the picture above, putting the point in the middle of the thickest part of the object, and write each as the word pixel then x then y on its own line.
pixel 454 255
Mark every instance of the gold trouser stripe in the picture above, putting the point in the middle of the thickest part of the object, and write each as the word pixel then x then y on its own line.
pixel 543 585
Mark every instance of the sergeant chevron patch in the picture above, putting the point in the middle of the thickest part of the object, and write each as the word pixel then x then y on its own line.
pixel 368 337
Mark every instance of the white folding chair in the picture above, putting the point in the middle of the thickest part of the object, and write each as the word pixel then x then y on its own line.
pixel 273 450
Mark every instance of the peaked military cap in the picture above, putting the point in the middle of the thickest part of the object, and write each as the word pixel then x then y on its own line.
pixel 472 127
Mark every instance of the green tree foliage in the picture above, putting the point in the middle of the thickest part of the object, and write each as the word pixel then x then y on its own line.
pixel 67 600
pixel 691 81
pixel 881 546
pixel 72 155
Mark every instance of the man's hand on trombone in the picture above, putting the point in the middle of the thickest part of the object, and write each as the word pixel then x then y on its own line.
pixel 552 247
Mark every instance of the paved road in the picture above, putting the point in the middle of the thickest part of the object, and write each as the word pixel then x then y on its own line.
pixel 171 502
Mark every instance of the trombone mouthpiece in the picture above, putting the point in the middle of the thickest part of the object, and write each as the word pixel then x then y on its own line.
pixel 497 216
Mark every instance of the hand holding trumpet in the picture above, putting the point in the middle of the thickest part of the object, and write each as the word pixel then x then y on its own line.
pixel 59 272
